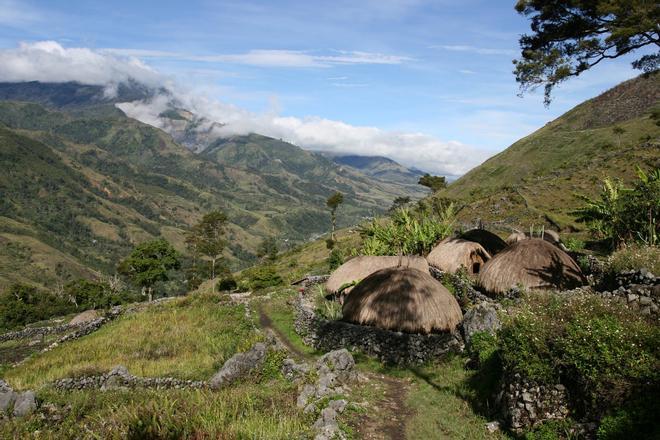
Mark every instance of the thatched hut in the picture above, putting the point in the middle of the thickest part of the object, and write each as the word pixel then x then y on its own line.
pixel 358 268
pixel 515 238
pixel 453 253
pixel 489 241
pixel 402 299
pixel 551 237
pixel 532 264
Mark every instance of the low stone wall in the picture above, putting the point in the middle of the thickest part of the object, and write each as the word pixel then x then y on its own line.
pixel 526 404
pixel 389 347
pixel 119 377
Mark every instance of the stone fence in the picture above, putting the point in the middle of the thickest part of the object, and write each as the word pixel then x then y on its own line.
pixel 390 347
pixel 119 377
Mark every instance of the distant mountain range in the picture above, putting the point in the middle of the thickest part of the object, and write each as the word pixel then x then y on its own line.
pixel 81 183
pixel 535 180
pixel 378 167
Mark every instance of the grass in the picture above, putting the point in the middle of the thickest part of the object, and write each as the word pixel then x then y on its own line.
pixel 244 411
pixel 188 338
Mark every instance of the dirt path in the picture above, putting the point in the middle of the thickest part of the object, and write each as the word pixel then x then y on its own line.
pixel 266 324
pixel 386 418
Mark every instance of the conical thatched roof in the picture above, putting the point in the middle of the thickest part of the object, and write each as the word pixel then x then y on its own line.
pixel 532 263
pixel 515 238
pixel 358 268
pixel 551 236
pixel 453 253
pixel 491 242
pixel 403 299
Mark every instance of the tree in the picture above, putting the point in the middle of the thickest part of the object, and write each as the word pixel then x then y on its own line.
pixel 149 263
pixel 399 202
pixel 333 203
pixel 618 131
pixel 571 36
pixel 207 238
pixel 268 249
pixel 436 183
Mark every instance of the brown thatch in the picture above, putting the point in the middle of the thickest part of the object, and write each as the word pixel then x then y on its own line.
pixel 402 299
pixel 515 238
pixel 491 242
pixel 453 253
pixel 358 268
pixel 533 264
pixel 551 237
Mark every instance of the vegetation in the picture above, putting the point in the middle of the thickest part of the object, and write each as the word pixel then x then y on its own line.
pixel 268 249
pixel 149 263
pixel 625 214
pixel 634 257
pixel 607 354
pixel 259 277
pixel 407 232
pixel 207 238
pixel 21 305
pixel 570 37
pixel 333 203
pixel 434 183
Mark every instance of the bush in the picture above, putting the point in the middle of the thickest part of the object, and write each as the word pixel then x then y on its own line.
pixel 226 283
pixel 260 277
pixel 335 259
pixel 22 304
pixel 602 351
pixel 407 232
pixel 87 294
pixel 634 257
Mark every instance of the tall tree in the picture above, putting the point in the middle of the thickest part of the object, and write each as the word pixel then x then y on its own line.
pixel 268 249
pixel 333 203
pixel 571 36
pixel 436 183
pixel 207 238
pixel 149 263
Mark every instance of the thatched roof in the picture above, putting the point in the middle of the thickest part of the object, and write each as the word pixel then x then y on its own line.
pixel 453 253
pixel 551 236
pixel 532 263
pixel 402 299
pixel 358 268
pixel 491 242
pixel 515 238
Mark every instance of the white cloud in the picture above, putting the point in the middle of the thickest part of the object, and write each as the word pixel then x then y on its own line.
pixel 274 58
pixel 48 61
pixel 14 14
pixel 477 50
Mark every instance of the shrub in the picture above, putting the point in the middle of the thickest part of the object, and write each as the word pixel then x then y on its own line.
pixel 407 232
pixel 601 350
pixel 328 309
pixel 87 294
pixel 634 257
pixel 335 259
pixel 226 283
pixel 22 304
pixel 260 277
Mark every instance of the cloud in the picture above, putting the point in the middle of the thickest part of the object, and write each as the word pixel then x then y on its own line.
pixel 477 50
pixel 273 58
pixel 48 61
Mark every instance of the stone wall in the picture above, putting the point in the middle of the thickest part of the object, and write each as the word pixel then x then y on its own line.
pixel 640 290
pixel 119 377
pixel 526 404
pixel 388 346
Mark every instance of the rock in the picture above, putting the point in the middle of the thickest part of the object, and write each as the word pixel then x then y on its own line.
pixel 86 316
pixel 118 377
pixel 493 427
pixel 25 403
pixel 239 365
pixel 338 405
pixel 307 392
pixel 481 318
pixel 291 370
pixel 340 363
pixel 4 386
pixel 7 398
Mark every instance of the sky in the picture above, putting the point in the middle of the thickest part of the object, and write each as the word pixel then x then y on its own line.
pixel 427 83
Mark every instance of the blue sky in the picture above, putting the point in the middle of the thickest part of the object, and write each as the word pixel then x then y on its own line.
pixel 437 69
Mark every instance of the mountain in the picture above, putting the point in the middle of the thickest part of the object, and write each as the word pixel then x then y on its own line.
pixel 82 183
pixel 535 180
pixel 381 168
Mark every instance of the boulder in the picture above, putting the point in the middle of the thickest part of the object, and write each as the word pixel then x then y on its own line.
pixel 25 403
pixel 7 398
pixel 86 316
pixel 338 362
pixel 481 318
pixel 239 365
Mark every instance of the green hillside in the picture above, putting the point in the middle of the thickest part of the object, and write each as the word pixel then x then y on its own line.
pixel 535 180
pixel 81 188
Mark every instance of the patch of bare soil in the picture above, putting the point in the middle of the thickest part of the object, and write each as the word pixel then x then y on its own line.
pixel 385 418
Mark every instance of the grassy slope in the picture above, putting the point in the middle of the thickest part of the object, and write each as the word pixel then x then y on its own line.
pixel 80 190
pixel 535 180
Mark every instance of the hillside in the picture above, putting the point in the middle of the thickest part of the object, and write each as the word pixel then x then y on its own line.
pixel 535 180
pixel 82 184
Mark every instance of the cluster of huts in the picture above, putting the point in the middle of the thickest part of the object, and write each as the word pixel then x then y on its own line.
pixel 400 294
